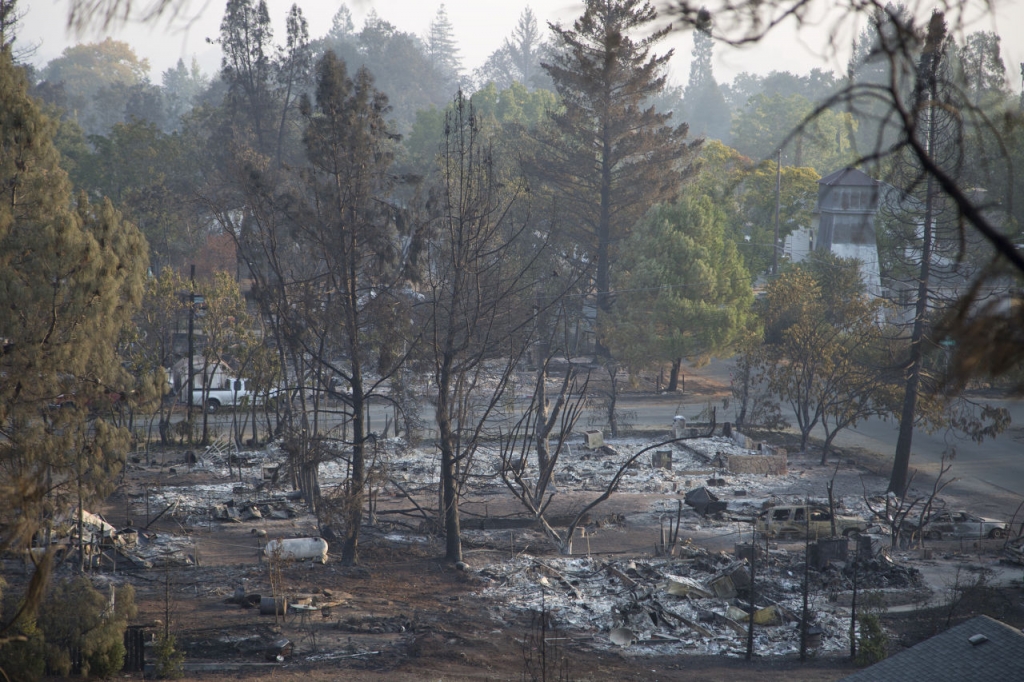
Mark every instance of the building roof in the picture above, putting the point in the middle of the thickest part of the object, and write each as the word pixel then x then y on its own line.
pixel 848 177
pixel 980 649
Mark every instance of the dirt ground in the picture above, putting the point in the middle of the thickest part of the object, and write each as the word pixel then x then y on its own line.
pixel 403 614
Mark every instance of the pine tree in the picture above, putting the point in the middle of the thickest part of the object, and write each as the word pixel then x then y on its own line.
pixel 294 67
pixel 347 142
pixel 9 18
pixel 342 26
pixel 524 46
pixel 182 87
pixel 344 243
pixel 443 49
pixel 71 274
pixel 607 155
pixel 703 101
pixel 981 63
pixel 245 39
pixel 518 58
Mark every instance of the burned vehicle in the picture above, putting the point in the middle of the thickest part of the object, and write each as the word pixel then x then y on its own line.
pixel 793 521
pixel 957 524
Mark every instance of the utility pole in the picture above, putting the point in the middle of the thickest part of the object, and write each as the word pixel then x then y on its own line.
pixel 191 352
pixel 778 201
pixel 753 584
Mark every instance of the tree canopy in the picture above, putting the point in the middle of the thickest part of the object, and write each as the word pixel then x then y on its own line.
pixel 71 275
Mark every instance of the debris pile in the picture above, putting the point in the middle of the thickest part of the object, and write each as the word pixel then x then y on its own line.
pixel 698 603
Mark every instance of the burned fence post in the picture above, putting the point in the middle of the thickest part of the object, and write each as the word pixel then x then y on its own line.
pixel 853 609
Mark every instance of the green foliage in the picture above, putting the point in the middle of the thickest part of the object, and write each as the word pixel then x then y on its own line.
pixel 872 642
pixel 20 661
pixel 75 151
pixel 824 142
pixel 605 157
pixel 443 50
pixel 246 42
pixel 98 80
pixel 824 347
pixel 681 290
pixel 518 59
pixel 71 275
pixel 797 197
pixel 182 88
pixel 85 68
pixel 151 176
pixel 170 663
pixel 816 86
pixel 745 192
pixel 77 616
pixel 401 68
pixel 981 66
pixel 503 117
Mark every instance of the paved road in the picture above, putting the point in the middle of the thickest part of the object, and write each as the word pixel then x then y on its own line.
pixel 992 471
pixel 997 463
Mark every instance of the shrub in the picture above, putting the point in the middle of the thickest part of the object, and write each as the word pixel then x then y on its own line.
pixel 872 642
pixel 77 617
pixel 169 661
pixel 22 661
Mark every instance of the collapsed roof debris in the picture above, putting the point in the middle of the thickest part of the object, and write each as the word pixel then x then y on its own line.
pixel 698 603
pixel 692 601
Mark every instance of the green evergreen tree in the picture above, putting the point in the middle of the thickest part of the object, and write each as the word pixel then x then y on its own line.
pixel 443 49
pixel 97 81
pixel 982 67
pixel 703 102
pixel 78 617
pixel 342 26
pixel 518 58
pixel 245 39
pixel 294 68
pixel 823 142
pixel 71 275
pixel 9 18
pixel 607 156
pixel 401 67
pixel 182 87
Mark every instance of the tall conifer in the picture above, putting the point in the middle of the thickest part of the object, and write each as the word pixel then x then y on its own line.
pixel 71 275
pixel 608 154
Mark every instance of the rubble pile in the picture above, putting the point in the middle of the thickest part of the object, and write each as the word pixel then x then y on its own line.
pixel 580 468
pixel 780 575
pixel 698 603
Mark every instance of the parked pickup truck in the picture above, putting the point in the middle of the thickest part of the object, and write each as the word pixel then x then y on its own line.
pixel 793 521
pixel 215 398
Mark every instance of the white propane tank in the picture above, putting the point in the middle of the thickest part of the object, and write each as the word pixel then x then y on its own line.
pixel 298 548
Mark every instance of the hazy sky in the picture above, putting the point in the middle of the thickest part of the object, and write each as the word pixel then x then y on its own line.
pixel 480 26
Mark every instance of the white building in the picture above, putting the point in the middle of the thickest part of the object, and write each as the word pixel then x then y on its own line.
pixel 844 222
